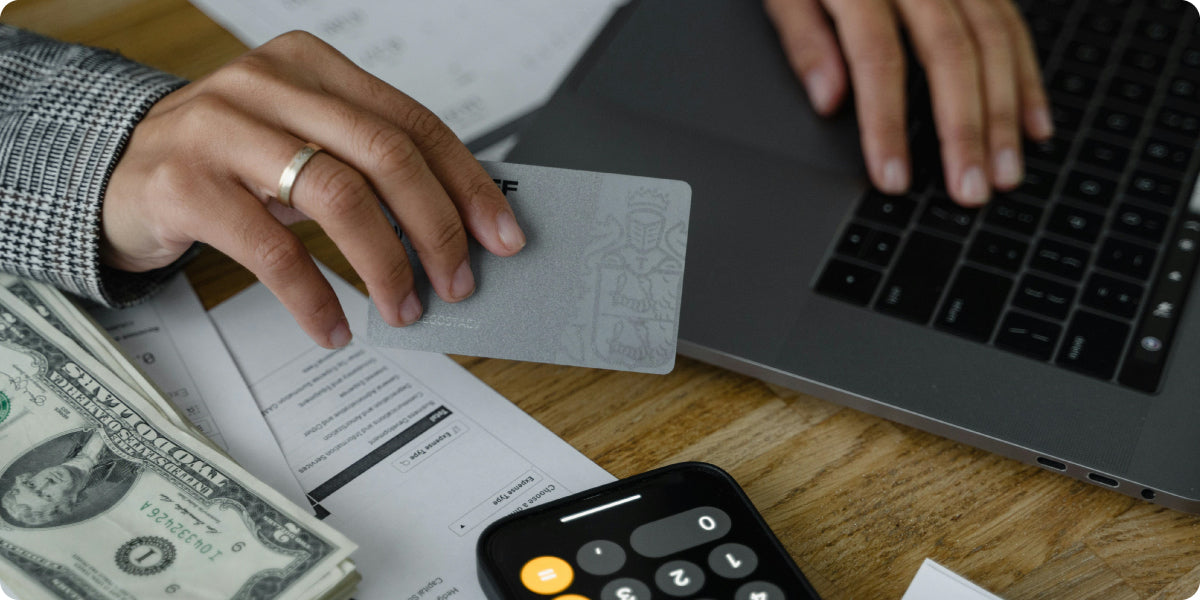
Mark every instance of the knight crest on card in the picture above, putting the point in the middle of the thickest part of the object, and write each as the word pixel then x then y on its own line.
pixel 638 269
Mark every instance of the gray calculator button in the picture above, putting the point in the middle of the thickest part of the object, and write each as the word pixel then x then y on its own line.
pixel 679 578
pixel 680 531
pixel 625 589
pixel 759 590
pixel 600 557
pixel 732 561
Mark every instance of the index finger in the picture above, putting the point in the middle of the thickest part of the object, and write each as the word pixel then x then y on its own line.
pixel 871 42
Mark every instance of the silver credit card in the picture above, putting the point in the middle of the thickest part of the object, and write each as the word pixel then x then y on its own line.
pixel 598 283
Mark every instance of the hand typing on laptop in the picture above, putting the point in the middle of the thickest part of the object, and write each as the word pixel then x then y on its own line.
pixel 985 83
pixel 205 165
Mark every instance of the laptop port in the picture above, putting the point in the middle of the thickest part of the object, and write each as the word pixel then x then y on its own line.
pixel 1148 494
pixel 1053 464
pixel 1110 482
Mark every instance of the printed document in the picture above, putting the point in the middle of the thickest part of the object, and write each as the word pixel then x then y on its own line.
pixel 477 65
pixel 935 582
pixel 404 452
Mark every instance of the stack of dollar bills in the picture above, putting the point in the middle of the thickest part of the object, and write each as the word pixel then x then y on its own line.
pixel 107 492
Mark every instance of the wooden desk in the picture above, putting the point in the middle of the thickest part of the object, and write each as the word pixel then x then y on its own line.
pixel 859 501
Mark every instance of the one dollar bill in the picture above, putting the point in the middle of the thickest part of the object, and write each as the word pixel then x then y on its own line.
pixel 102 496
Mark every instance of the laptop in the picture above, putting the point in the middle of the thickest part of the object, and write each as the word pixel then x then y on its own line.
pixel 1051 326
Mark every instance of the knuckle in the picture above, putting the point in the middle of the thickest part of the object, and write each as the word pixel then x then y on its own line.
pixel 338 192
pixel 969 133
pixel 952 44
pixel 291 40
pixel 398 276
pixel 327 307
pixel 425 126
pixel 878 58
pixel 278 253
pixel 446 236
pixel 197 116
pixel 482 191
pixel 249 69
pixel 993 37
pixel 395 153
pixel 1003 117
pixel 171 179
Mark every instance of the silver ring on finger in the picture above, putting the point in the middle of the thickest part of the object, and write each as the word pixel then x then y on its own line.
pixel 288 178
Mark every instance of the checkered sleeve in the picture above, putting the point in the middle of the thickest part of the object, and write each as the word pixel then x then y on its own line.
pixel 66 114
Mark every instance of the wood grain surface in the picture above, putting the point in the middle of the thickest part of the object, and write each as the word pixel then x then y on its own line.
pixel 857 500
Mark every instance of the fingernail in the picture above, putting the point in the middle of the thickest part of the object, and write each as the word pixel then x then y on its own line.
pixel 510 233
pixel 410 309
pixel 820 91
pixel 895 177
pixel 1043 123
pixel 1008 168
pixel 974 187
pixel 340 335
pixel 463 283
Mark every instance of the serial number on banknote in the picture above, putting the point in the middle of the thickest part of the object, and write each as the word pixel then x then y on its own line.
pixel 181 532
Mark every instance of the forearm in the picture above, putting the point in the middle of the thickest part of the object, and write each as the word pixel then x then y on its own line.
pixel 66 114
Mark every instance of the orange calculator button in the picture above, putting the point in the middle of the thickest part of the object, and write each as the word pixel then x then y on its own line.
pixel 547 575
pixel 571 597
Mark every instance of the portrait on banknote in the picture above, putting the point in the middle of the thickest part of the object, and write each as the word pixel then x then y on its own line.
pixel 64 480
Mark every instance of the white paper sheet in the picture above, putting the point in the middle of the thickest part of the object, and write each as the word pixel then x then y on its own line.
pixel 477 65
pixel 935 582
pixel 409 453
pixel 173 342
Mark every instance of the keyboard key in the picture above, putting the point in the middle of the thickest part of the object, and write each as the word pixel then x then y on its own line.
pixel 998 251
pixel 1060 259
pixel 880 247
pixel 1093 345
pixel 1037 184
pixel 1053 151
pixel 1104 155
pixel 1183 86
pixel 1073 86
pixel 1130 90
pixel 1178 121
pixel 889 210
pixel 1044 297
pixel 1066 118
pixel 973 304
pixel 1112 295
pixel 1090 188
pixel 1147 354
pixel 1075 223
pixel 1147 224
pixel 1126 258
pixel 1100 23
pixel 919 277
pixel 1142 61
pixel 1028 335
pixel 1021 217
pixel 1167 154
pixel 854 240
pixel 1190 58
pixel 1154 30
pixel 849 282
pixel 1084 53
pixel 1118 122
pixel 1153 187
pixel 945 215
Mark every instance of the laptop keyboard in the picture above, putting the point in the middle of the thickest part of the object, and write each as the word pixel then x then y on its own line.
pixel 1087 264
